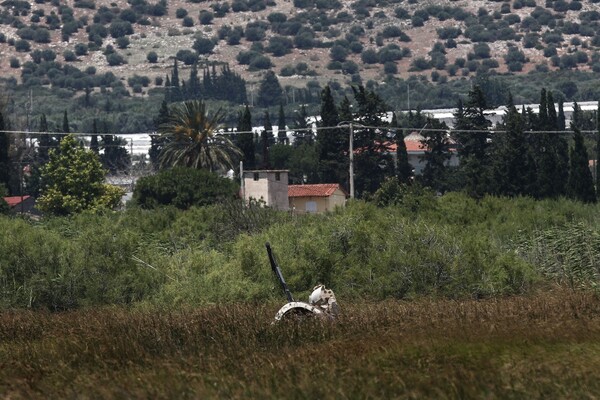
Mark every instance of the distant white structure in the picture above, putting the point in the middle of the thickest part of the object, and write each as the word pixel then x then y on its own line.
pixel 495 115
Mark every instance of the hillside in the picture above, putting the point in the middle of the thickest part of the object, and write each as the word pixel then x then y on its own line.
pixel 300 40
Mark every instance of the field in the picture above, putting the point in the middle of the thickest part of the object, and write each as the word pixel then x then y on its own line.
pixel 543 345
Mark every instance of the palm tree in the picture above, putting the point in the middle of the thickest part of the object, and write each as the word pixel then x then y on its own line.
pixel 191 139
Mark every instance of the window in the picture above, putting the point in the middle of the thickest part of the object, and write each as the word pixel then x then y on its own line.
pixel 277 176
pixel 311 206
pixel 256 176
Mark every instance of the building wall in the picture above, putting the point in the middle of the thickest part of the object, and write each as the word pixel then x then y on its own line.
pixel 323 204
pixel 268 188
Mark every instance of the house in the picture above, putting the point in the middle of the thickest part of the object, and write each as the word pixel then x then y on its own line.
pixel 317 198
pixel 416 151
pixel 21 204
pixel 270 186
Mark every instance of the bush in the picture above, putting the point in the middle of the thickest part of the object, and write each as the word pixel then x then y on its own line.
pixel 115 59
pixel 420 64
pixel 152 57
pixel 183 188
pixel 206 17
pixel 203 45
pixel 390 67
pixel 122 42
pixel 260 62
pixel 22 46
pixel 69 56
pixel 81 49
pixel 15 63
pixel 338 53
pixel 180 13
pixel 187 22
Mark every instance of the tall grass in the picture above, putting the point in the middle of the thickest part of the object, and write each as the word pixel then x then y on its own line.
pixel 523 346
pixel 449 247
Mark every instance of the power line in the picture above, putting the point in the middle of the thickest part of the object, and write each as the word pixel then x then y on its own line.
pixel 312 129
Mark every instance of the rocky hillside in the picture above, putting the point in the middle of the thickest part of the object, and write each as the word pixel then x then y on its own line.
pixel 301 40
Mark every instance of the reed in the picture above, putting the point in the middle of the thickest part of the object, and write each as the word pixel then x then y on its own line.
pixel 540 345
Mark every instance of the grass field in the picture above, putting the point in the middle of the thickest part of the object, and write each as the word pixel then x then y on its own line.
pixel 545 345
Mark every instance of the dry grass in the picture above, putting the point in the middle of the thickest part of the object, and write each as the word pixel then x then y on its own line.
pixel 540 346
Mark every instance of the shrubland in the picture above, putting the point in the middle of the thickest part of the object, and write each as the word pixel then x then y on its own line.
pixel 449 247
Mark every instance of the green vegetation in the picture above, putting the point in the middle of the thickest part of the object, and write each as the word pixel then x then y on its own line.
pixel 449 246
pixel 73 181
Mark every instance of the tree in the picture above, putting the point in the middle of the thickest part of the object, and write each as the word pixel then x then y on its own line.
pixel 580 185
pixel 472 136
pixel 270 92
pixel 437 153
pixel 115 157
pixel 332 142
pixel 373 161
pixel 281 127
pixel 404 171
pixel 561 116
pixel 73 181
pixel 191 139
pixel 598 149
pixel 4 154
pixel 157 141
pixel 511 156
pixel 266 135
pixel 94 146
pixel 244 138
pixel 183 188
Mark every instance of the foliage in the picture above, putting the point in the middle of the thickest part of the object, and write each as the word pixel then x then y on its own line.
pixel 182 188
pixel 190 139
pixel 72 181
pixel 269 92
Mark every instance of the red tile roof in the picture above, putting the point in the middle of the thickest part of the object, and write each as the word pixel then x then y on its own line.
pixel 14 200
pixel 319 190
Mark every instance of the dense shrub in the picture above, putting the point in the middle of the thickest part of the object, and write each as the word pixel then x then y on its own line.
pixel 152 57
pixel 183 188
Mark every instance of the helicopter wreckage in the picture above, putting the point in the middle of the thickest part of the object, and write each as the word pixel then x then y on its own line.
pixel 321 302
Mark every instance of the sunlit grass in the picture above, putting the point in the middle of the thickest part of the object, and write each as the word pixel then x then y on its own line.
pixel 537 346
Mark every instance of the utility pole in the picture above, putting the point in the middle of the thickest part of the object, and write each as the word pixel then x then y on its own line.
pixel 350 126
pixel 351 168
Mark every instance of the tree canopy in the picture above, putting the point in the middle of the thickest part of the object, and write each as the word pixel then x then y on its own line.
pixel 73 181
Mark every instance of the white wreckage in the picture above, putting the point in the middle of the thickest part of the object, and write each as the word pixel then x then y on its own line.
pixel 321 302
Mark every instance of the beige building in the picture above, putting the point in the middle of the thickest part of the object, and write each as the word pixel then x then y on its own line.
pixel 270 186
pixel 316 198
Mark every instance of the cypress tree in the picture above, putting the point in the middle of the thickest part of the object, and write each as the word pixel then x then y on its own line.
pixel 4 154
pixel 404 171
pixel 46 141
pixel 265 140
pixel 175 91
pixel 471 126
pixel 561 124
pixel 552 117
pixel 331 141
pixel 437 153
pixel 373 162
pixel 193 86
pixel 580 185
pixel 302 135
pixel 598 149
pixel 94 140
pixel 245 138
pixel 576 117
pixel 281 127
pixel 270 92
pixel 543 114
pixel 510 156
pixel 157 142
pixel 65 125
